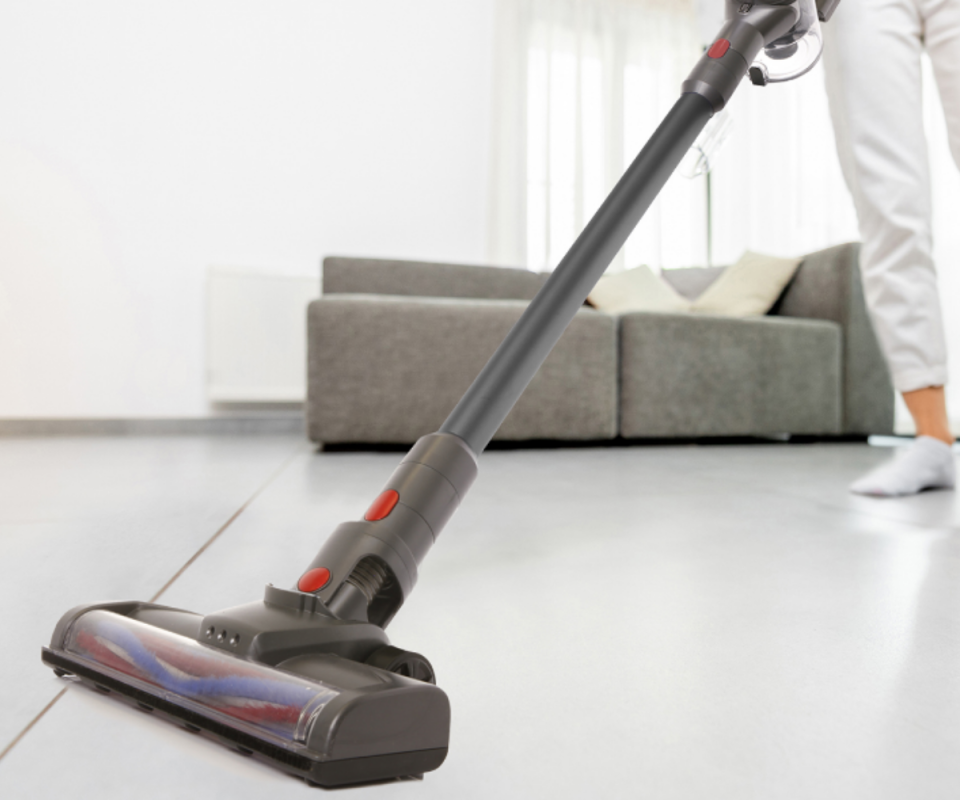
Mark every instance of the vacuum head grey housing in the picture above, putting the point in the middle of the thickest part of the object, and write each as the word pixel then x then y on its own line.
pixel 337 711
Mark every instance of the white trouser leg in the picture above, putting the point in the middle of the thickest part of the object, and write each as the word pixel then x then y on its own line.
pixel 872 59
pixel 941 20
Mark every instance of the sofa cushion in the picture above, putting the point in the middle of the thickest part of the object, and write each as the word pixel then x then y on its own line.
pixel 390 369
pixel 748 288
pixel 426 279
pixel 699 375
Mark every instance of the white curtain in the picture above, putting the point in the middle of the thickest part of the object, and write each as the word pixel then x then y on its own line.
pixel 777 185
pixel 582 84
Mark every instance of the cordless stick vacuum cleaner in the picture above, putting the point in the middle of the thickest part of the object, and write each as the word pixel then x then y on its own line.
pixel 306 679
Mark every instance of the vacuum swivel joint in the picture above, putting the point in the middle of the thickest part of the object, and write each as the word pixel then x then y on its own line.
pixel 368 567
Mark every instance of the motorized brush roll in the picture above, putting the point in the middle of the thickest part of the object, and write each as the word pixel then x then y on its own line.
pixel 279 703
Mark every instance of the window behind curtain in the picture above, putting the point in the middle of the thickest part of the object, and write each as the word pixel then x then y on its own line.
pixel 599 77
pixel 589 82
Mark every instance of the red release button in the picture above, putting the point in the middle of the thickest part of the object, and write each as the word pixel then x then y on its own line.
pixel 382 506
pixel 313 579
pixel 719 48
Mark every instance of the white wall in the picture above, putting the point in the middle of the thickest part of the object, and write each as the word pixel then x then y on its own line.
pixel 142 142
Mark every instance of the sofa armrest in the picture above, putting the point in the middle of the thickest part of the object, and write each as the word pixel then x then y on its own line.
pixel 390 369
pixel 827 286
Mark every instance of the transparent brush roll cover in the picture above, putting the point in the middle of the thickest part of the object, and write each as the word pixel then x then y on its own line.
pixel 189 674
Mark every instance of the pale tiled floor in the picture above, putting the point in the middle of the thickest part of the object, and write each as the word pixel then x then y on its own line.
pixel 655 622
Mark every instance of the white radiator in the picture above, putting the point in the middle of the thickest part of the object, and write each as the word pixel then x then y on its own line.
pixel 257 335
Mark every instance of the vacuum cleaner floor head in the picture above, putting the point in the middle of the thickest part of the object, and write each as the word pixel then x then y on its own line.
pixel 327 719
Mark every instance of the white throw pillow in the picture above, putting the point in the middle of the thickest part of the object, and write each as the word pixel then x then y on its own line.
pixel 636 290
pixel 749 288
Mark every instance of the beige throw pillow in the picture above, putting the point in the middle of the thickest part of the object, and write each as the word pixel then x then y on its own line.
pixel 749 288
pixel 636 290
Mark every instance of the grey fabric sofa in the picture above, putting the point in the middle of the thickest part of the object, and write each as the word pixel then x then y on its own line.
pixel 392 345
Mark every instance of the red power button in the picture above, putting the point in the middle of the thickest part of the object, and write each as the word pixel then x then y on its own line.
pixel 313 579
pixel 719 48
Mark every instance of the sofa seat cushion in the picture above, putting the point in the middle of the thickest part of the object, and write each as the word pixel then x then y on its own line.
pixel 390 369
pixel 699 375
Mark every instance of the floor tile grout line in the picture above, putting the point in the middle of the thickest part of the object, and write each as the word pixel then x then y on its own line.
pixel 836 506
pixel 786 492
pixel 34 721
pixel 863 512
pixel 917 526
pixel 203 548
pixel 206 545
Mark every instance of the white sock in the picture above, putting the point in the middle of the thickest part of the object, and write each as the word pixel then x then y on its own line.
pixel 925 463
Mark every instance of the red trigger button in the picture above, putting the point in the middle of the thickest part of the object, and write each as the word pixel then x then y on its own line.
pixel 719 48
